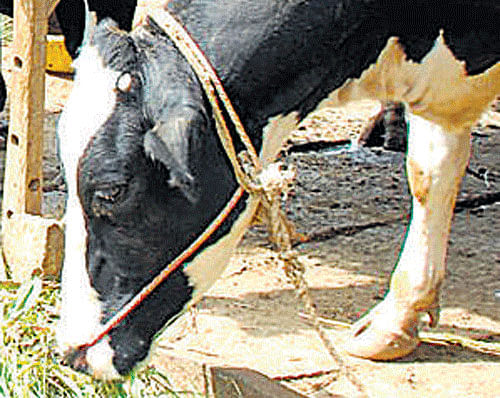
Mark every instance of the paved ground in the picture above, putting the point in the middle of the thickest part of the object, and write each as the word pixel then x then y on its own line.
pixel 356 206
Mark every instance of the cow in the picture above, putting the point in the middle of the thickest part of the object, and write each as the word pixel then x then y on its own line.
pixel 146 172
pixel 71 17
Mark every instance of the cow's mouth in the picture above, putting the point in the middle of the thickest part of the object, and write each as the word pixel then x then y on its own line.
pixel 76 358
pixel 97 361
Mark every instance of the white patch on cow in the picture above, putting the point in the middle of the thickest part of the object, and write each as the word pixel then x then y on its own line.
pixel 438 88
pixel 90 104
pixel 443 102
pixel 99 358
pixel 275 134
pixel 207 267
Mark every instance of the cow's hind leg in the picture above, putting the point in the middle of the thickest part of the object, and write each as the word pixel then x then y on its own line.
pixel 436 162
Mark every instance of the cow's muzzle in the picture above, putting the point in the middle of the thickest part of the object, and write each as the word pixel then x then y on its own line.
pixel 76 358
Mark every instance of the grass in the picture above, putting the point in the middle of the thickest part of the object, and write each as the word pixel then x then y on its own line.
pixel 29 364
pixel 6 29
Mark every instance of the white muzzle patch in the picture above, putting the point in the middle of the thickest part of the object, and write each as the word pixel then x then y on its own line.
pixel 100 361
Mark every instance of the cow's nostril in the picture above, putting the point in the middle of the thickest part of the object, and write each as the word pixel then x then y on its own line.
pixel 76 359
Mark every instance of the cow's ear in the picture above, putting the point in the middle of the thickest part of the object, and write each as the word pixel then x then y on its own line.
pixel 169 142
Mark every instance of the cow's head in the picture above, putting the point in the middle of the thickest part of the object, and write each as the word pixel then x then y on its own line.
pixel 145 175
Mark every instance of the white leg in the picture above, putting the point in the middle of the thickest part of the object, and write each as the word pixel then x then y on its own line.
pixel 436 162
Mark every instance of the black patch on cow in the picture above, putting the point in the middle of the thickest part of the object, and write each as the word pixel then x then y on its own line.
pixel 132 338
pixel 312 47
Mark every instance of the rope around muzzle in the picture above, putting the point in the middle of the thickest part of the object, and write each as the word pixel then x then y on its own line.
pixel 264 184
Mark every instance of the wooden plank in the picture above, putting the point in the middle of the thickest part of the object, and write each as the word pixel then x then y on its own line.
pixel 35 246
pixel 25 144
pixel 23 171
pixel 248 383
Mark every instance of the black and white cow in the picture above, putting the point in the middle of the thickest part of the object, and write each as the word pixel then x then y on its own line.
pixel 71 17
pixel 146 172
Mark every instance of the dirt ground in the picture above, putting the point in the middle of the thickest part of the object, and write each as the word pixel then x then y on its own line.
pixel 355 205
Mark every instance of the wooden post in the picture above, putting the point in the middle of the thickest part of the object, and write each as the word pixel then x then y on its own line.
pixel 30 243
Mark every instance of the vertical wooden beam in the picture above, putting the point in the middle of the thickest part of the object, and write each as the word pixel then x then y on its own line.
pixel 30 242
pixel 25 141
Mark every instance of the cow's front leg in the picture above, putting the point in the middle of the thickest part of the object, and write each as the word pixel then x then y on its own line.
pixel 436 162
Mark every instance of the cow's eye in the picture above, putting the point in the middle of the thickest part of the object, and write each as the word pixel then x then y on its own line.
pixel 106 198
pixel 126 82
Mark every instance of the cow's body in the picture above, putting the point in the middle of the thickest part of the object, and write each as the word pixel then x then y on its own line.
pixel 146 172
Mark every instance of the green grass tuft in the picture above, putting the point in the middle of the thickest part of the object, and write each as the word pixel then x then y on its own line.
pixel 29 364
pixel 6 29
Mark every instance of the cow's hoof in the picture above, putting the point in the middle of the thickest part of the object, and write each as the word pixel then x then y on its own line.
pixel 382 335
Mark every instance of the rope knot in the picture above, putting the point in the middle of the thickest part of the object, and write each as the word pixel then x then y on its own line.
pixel 271 185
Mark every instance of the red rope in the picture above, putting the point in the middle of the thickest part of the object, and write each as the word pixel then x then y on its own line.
pixel 163 275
